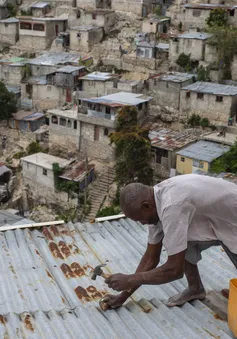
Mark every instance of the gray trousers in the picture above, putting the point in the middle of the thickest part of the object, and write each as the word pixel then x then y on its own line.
pixel 195 248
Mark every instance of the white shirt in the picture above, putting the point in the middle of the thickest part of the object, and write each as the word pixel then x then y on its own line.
pixel 195 208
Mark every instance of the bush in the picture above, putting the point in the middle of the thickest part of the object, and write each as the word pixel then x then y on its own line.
pixel 107 211
pixel 218 18
pixel 195 120
pixel 12 9
pixel 183 60
pixel 33 148
pixel 180 28
pixel 204 122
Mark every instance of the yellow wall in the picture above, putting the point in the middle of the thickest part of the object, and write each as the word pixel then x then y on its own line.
pixel 186 167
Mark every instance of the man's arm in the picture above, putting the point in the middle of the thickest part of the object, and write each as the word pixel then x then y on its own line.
pixel 149 261
pixel 172 270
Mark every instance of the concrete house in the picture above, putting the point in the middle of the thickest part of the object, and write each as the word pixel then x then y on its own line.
pixel 40 9
pixel 83 38
pixel 165 143
pixel 155 25
pixel 197 14
pixel 97 84
pixel 103 18
pixel 167 86
pixel 150 50
pixel 12 72
pixel 190 43
pixel 9 31
pixel 39 33
pixel 139 7
pixel 199 156
pixel 210 100
pixel 93 4
pixel 37 173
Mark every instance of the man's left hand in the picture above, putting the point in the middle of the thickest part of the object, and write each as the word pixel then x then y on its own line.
pixel 120 282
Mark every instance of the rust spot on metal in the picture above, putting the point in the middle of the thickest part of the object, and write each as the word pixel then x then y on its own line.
pixel 81 293
pixel 216 316
pixel 225 293
pixel 47 234
pixel 64 248
pixel 3 320
pixel 76 251
pixel 37 252
pixel 54 229
pixel 49 275
pixel 94 293
pixel 77 269
pixel 212 335
pixel 28 323
pixel 54 249
pixel 63 300
pixel 67 271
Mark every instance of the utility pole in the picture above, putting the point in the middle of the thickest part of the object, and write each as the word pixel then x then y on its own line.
pixel 86 181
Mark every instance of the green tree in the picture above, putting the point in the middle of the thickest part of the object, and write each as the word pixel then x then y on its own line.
pixel 133 149
pixel 218 18
pixel 202 74
pixel 7 103
pixel 12 10
pixel 227 162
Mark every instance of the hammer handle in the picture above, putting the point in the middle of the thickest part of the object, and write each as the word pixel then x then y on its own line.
pixel 105 275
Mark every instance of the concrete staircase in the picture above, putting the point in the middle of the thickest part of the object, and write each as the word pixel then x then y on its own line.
pixel 99 190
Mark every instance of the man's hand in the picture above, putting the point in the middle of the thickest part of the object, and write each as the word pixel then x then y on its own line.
pixel 120 282
pixel 113 301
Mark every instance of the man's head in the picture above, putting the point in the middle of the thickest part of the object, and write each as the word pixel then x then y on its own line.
pixel 138 203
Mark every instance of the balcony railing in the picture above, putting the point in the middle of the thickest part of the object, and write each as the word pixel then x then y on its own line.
pixel 97 114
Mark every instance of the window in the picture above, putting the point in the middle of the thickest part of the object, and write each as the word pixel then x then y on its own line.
pixel 115 84
pixel 232 12
pixel 28 165
pixel 75 124
pixel 187 94
pixel 54 120
pixel 182 159
pixel 96 133
pixel 106 132
pixel 78 14
pixel 107 110
pixel 196 12
pixel 151 23
pixel 139 107
pixel 44 171
pixel 199 95
pixel 219 98
pixel 167 85
pixel 69 123
pixel 38 27
pixel 62 122
pixel 26 25
pixel 94 16
pixel 78 36
pixel 6 25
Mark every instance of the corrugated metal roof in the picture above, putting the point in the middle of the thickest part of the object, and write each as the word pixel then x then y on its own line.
pixel 69 69
pixel 10 21
pixel 51 59
pixel 34 116
pixel 13 89
pixel 211 88
pixel 99 76
pixel 47 292
pixel 162 46
pixel 84 28
pixel 204 150
pixel 45 160
pixel 40 5
pixel 76 171
pixel 174 76
pixel 7 218
pixel 120 99
pixel 209 6
pixel 195 35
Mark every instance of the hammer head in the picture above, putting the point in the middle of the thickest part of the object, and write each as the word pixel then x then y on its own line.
pixel 97 271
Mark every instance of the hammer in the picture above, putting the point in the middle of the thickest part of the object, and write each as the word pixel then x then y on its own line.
pixel 98 271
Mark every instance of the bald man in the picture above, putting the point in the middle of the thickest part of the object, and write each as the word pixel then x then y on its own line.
pixel 186 214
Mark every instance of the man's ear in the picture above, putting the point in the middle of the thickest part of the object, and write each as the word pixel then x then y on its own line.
pixel 145 205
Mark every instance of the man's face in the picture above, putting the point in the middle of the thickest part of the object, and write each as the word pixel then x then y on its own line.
pixel 147 214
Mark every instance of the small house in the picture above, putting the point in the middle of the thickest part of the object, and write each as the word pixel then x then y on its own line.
pixel 145 49
pixel 40 9
pixel 162 51
pixel 209 100
pixel 165 143
pixel 12 70
pixel 93 4
pixel 39 33
pixel 103 18
pixel 156 25
pixel 199 156
pixel 83 38
pixel 25 121
pixel 67 76
pixel 189 43
pixel 196 15
pixel 9 31
pixel 167 86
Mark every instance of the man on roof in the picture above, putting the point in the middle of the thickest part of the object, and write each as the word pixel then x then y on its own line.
pixel 186 214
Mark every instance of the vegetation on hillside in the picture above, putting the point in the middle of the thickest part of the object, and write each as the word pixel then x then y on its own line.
pixel 227 162
pixel 7 103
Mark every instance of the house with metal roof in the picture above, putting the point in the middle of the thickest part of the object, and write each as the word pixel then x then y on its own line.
pixel 165 87
pixel 199 156
pixel 100 17
pixel 214 101
pixel 165 143
pixel 26 121
pixel 47 273
pixel 155 25
pixel 190 43
pixel 9 31
pixel 197 14
pixel 40 9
